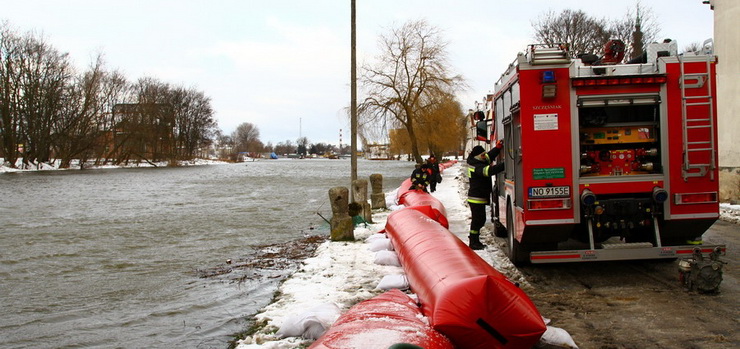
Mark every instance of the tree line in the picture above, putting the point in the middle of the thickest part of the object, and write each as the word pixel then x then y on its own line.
pixel 410 89
pixel 51 111
pixel 245 141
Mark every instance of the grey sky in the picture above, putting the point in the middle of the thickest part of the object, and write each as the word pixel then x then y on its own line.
pixel 273 63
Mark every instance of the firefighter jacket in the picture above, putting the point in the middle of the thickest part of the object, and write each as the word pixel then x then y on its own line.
pixel 419 178
pixel 479 174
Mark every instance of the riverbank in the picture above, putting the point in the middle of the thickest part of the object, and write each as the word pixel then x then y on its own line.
pixel 115 257
pixel 342 274
pixel 75 165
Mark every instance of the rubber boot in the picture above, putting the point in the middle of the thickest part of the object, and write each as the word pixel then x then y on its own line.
pixel 475 243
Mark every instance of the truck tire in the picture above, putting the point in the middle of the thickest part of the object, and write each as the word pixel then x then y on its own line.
pixel 499 230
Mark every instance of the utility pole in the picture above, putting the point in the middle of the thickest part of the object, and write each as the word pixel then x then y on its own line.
pixel 353 105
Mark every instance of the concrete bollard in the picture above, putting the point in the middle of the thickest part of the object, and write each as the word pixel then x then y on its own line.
pixel 342 228
pixel 359 192
pixel 377 197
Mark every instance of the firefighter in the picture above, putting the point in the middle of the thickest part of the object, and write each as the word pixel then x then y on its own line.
pixel 436 177
pixel 480 170
pixel 420 177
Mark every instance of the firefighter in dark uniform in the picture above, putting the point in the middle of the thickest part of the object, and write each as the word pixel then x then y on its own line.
pixel 420 177
pixel 480 170
pixel 436 176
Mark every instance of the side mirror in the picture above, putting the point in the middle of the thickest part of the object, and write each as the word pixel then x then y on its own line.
pixel 481 130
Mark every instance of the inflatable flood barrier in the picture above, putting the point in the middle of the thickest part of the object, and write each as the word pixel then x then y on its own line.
pixel 413 197
pixel 464 298
pixel 387 319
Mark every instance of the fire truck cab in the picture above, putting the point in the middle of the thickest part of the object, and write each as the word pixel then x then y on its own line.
pixel 604 161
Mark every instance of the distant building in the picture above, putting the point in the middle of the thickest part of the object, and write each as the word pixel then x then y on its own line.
pixel 377 151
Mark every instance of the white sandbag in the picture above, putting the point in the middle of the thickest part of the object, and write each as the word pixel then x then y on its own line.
pixel 556 337
pixel 380 245
pixel 391 199
pixel 374 237
pixel 387 258
pixel 390 282
pixel 310 324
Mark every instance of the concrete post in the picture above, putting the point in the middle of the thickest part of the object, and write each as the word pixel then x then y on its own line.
pixel 377 198
pixel 359 193
pixel 342 228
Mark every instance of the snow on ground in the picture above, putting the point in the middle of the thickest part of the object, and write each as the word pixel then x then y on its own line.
pixel 75 165
pixel 730 213
pixel 344 273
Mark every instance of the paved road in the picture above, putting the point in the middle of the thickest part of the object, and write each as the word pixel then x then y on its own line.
pixel 641 304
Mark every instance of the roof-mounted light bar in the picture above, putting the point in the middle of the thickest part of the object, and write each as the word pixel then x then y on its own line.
pixel 622 80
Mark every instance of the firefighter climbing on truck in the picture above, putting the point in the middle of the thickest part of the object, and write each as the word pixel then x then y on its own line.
pixel 480 170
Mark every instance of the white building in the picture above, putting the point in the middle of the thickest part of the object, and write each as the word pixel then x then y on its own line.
pixel 727 48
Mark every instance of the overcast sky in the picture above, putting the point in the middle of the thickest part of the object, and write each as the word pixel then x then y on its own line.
pixel 284 65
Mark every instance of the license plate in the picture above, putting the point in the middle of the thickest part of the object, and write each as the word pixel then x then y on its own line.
pixel 549 192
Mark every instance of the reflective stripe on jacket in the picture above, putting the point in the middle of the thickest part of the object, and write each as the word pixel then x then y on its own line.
pixel 479 176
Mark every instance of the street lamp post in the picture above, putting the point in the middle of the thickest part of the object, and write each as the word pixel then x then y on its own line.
pixel 353 105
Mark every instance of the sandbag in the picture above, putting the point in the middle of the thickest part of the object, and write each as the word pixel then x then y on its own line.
pixel 556 337
pixel 390 282
pixel 380 245
pixel 387 258
pixel 310 324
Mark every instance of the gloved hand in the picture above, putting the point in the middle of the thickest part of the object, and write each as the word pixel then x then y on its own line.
pixel 500 144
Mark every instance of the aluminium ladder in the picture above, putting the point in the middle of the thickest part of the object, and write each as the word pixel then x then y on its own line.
pixel 697 109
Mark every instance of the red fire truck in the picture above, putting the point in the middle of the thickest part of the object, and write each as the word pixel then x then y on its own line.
pixel 604 161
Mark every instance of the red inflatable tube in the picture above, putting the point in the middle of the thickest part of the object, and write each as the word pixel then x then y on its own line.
pixel 418 198
pixel 465 298
pixel 446 165
pixel 379 322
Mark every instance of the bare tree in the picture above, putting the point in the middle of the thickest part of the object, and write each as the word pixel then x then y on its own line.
pixel 636 28
pixel 152 128
pixel 49 110
pixel 10 117
pixel 224 144
pixel 586 34
pixel 411 68
pixel 75 127
pixel 194 122
pixel 286 147
pixel 114 89
pixel 693 47
pixel 246 138
pixel 302 146
pixel 44 75
pixel 582 33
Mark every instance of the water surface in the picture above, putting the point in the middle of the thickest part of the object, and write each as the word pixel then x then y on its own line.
pixel 108 258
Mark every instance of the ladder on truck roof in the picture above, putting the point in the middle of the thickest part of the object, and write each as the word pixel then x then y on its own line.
pixel 697 109
pixel 540 54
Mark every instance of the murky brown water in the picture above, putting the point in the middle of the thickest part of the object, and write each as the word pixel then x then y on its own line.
pixel 109 258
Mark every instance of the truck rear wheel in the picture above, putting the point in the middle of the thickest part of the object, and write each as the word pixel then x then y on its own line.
pixel 499 230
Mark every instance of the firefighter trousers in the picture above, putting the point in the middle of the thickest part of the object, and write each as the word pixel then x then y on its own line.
pixel 478 213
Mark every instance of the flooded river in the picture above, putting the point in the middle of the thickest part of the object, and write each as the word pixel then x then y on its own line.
pixel 108 258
